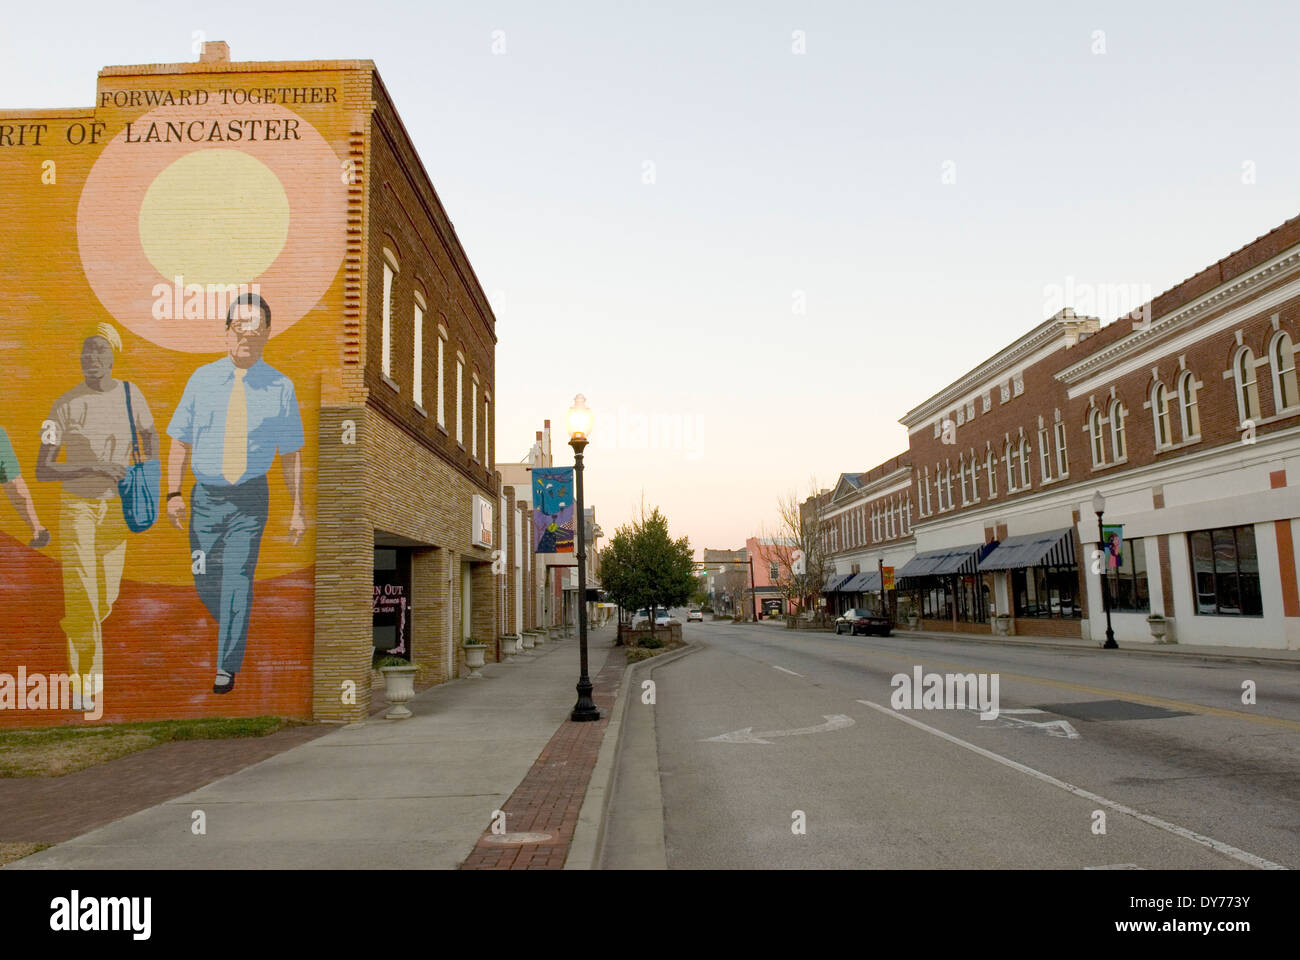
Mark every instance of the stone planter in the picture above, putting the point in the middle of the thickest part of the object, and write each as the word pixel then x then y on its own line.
pixel 1159 629
pixel 1002 625
pixel 527 640
pixel 539 637
pixel 474 654
pixel 509 648
pixel 913 622
pixel 399 687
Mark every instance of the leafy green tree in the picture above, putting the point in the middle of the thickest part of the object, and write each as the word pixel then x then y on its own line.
pixel 643 566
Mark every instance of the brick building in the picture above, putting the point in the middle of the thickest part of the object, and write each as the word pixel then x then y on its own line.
pixel 137 223
pixel 1185 416
pixel 866 520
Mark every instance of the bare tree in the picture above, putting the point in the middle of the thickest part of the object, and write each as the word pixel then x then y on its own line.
pixel 798 548
pixel 734 582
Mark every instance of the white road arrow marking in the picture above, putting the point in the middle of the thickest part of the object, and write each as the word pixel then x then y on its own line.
pixel 836 721
pixel 1053 728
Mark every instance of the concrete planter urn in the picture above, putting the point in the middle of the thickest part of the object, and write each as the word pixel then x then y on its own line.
pixel 913 622
pixel 527 640
pixel 399 687
pixel 474 653
pixel 1159 628
pixel 509 648
pixel 539 637
pixel 1002 625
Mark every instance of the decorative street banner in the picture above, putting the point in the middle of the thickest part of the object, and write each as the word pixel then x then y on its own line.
pixel 888 579
pixel 553 513
pixel 1114 545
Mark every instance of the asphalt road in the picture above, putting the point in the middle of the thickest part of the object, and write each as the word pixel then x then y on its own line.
pixel 1184 773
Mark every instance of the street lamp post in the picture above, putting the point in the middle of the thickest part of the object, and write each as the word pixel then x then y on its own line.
pixel 1099 507
pixel 579 423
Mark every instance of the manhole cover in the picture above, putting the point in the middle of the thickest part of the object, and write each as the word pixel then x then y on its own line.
pixel 1111 710
pixel 517 838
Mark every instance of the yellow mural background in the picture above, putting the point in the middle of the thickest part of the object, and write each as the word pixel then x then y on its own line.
pixel 49 307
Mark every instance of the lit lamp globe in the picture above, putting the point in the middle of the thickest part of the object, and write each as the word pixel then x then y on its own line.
pixel 1098 503
pixel 579 419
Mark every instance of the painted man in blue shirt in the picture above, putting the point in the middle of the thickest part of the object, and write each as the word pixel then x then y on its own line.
pixel 234 415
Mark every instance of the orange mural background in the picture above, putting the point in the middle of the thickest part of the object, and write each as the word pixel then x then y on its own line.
pixel 72 264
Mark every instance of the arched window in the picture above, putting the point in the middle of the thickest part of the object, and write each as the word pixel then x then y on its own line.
pixel 1095 434
pixel 1188 415
pixel 1282 358
pixel 974 478
pixel 1024 463
pixel 1243 369
pixel 1117 447
pixel 1160 415
pixel 1010 455
pixel 947 483
pixel 990 466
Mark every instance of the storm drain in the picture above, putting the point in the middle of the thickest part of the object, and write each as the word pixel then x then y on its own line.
pixel 1111 710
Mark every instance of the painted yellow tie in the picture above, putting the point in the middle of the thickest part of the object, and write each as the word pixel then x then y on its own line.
pixel 235 459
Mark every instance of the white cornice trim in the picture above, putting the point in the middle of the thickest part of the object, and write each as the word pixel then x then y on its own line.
pixel 1285 265
pixel 1045 333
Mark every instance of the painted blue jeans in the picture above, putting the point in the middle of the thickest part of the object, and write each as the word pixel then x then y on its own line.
pixel 226 523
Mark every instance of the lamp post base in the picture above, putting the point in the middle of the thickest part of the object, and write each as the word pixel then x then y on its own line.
pixel 585 710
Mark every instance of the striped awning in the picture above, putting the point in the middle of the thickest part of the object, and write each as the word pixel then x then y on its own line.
pixel 1051 548
pixel 940 563
pixel 835 582
pixel 866 582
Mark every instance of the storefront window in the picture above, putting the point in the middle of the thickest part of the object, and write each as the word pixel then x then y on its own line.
pixel 971 598
pixel 1128 585
pixel 1046 591
pixel 1225 572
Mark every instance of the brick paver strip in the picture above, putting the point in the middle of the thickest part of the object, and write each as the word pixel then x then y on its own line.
pixel 550 796
pixel 54 809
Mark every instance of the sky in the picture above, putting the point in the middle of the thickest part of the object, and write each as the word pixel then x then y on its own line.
pixel 769 229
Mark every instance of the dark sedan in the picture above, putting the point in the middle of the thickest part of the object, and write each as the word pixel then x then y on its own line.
pixel 860 620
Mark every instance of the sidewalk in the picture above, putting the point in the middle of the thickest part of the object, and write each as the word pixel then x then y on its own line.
pixel 1248 654
pixel 417 793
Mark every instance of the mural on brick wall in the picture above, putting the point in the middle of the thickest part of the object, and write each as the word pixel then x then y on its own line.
pixel 175 287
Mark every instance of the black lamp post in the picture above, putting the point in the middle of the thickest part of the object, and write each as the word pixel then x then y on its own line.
pixel 1099 507
pixel 579 423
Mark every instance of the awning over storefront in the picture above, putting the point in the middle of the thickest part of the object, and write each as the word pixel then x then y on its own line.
pixel 865 582
pixel 835 583
pixel 1052 548
pixel 941 563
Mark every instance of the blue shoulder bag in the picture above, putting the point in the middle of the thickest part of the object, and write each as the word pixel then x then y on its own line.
pixel 139 488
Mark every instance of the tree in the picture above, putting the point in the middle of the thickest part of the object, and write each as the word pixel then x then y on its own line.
pixel 735 584
pixel 798 548
pixel 644 567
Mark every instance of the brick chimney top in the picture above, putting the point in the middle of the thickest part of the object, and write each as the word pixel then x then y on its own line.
pixel 539 434
pixel 215 51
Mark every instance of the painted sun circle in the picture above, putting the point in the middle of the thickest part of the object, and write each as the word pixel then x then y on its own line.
pixel 214 216
pixel 171 207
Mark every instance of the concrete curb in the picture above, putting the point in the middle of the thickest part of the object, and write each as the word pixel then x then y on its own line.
pixel 586 851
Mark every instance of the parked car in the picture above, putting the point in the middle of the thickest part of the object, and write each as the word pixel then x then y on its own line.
pixel 860 620
pixel 664 620
pixel 694 615
pixel 641 619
